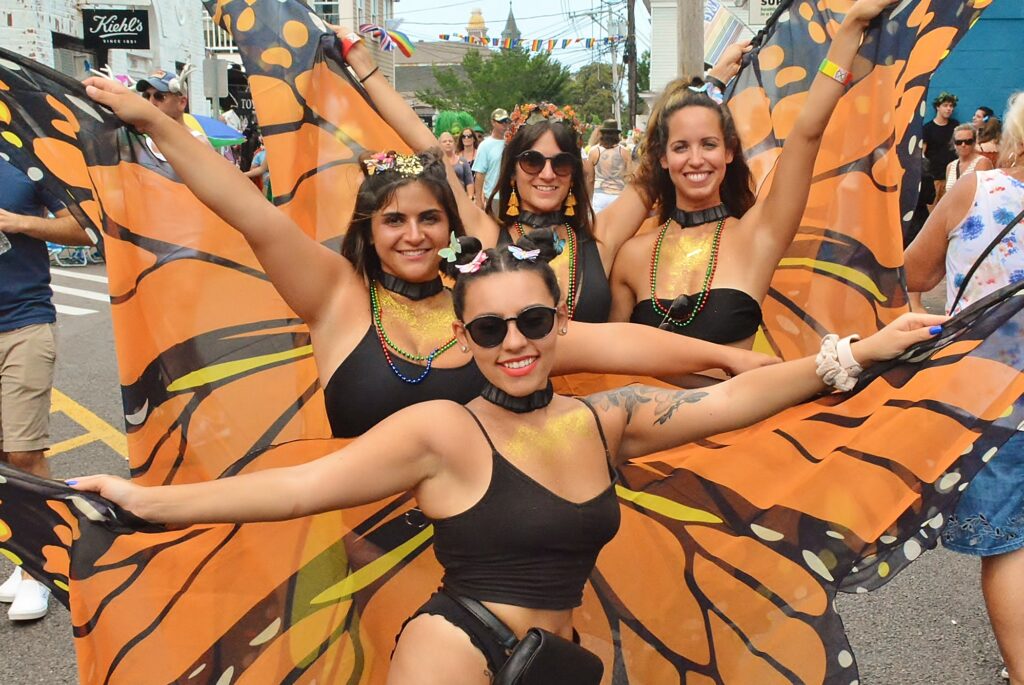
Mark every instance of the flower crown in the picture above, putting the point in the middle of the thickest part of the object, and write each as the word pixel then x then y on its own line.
pixel 406 165
pixel 538 111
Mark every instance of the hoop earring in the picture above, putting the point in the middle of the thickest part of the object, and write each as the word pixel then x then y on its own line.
pixel 513 202
pixel 570 203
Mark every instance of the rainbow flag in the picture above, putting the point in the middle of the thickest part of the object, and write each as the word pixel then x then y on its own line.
pixel 535 44
pixel 721 30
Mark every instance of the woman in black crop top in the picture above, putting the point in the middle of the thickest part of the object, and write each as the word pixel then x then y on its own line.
pixel 531 468
pixel 706 270
pixel 379 317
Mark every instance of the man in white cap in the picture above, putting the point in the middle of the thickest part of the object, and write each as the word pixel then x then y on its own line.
pixel 487 165
pixel 167 92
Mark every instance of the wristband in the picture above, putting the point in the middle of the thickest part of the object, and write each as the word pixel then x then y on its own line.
pixel 372 72
pixel 835 72
pixel 348 41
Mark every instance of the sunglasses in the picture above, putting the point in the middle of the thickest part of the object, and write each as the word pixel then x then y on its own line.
pixel 963 141
pixel 490 330
pixel 533 162
pixel 468 136
pixel 156 96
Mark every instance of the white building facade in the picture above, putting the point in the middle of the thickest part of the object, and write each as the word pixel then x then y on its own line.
pixel 52 32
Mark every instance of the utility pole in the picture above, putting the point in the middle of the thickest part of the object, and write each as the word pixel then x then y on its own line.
pixel 613 24
pixel 690 30
pixel 631 57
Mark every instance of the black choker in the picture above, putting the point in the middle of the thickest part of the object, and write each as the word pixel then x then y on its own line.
pixel 414 291
pixel 520 405
pixel 546 220
pixel 700 217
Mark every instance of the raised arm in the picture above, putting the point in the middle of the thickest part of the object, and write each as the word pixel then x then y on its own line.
pixel 297 265
pixel 619 222
pixel 613 348
pixel 652 419
pixel 774 221
pixel 397 455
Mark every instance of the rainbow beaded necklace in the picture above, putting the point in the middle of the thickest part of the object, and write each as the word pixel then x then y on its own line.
pixel 570 234
pixel 386 344
pixel 709 276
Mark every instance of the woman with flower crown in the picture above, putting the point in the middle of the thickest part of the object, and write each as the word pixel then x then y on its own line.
pixel 542 184
pixel 706 271
pixel 379 316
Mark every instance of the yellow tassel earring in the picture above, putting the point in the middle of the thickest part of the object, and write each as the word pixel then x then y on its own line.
pixel 513 202
pixel 570 203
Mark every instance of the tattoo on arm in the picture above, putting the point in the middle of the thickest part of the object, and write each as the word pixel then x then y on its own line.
pixel 666 402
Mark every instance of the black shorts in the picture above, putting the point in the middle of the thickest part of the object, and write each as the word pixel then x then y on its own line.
pixel 441 604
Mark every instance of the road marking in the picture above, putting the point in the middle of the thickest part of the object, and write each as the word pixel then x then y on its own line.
pixel 73 311
pixel 96 428
pixel 74 274
pixel 78 292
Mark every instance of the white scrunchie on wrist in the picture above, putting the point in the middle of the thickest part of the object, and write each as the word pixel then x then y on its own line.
pixel 837 366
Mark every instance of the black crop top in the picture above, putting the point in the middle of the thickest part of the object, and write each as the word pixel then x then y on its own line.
pixel 522 544
pixel 594 304
pixel 364 390
pixel 728 316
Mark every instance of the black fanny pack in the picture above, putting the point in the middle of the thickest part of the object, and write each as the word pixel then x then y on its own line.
pixel 540 658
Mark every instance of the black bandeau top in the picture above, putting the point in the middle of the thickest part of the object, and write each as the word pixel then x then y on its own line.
pixel 595 293
pixel 364 390
pixel 522 544
pixel 728 316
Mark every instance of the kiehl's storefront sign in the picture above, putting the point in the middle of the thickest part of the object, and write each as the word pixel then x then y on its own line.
pixel 112 29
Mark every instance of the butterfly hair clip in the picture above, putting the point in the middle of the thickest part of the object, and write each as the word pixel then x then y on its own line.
pixel 474 265
pixel 450 253
pixel 523 255
pixel 711 90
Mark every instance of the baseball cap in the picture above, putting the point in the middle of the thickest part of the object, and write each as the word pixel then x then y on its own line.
pixel 499 115
pixel 160 81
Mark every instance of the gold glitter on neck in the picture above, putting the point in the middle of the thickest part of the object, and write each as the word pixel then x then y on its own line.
pixel 558 436
pixel 418 326
pixel 684 261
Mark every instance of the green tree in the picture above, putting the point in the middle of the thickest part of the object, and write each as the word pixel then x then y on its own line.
pixel 643 72
pixel 498 79
pixel 590 92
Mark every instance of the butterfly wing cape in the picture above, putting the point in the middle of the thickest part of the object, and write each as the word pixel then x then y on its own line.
pixel 741 573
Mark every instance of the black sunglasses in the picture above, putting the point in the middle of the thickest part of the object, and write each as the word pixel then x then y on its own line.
pixel 468 135
pixel 533 162
pixel 156 96
pixel 963 141
pixel 490 330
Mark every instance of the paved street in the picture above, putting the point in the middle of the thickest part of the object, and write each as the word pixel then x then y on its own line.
pixel 928 626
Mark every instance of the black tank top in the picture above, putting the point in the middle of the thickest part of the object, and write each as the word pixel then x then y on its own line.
pixel 594 304
pixel 522 544
pixel 728 316
pixel 364 390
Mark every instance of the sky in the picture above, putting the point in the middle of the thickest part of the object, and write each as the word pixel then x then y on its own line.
pixel 425 19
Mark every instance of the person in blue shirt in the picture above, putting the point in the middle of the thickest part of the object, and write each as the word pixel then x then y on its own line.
pixel 27 345
pixel 488 158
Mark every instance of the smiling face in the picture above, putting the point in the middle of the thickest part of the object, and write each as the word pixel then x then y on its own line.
pixel 518 365
pixel 408 231
pixel 979 119
pixel 696 157
pixel 447 143
pixel 544 191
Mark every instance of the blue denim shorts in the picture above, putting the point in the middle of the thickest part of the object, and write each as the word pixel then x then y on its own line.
pixel 989 519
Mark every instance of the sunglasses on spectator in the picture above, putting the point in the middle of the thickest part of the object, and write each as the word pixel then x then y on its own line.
pixel 468 135
pixel 963 141
pixel 533 162
pixel 490 330
pixel 156 96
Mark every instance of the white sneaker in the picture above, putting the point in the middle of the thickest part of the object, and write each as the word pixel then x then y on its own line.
pixel 31 602
pixel 10 587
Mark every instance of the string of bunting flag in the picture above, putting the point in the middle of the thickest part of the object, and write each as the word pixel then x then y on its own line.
pixel 533 44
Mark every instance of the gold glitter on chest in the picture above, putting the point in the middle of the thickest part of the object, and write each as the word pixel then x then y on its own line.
pixel 419 326
pixel 684 261
pixel 560 264
pixel 558 436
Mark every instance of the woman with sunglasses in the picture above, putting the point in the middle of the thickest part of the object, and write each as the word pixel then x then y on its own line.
pixel 465 146
pixel 548 501
pixel 968 158
pixel 379 316
pixel 706 271
pixel 542 184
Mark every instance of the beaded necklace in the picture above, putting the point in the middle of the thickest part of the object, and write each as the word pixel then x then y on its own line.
pixel 570 235
pixel 709 275
pixel 385 343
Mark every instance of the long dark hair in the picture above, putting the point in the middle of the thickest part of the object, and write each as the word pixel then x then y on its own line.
pixel 460 144
pixel 568 141
pixel 737 190
pixel 501 259
pixel 376 192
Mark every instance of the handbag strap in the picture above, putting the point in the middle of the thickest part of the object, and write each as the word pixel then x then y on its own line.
pixel 506 638
pixel 981 258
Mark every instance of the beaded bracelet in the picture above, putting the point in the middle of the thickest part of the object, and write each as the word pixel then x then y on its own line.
pixel 830 361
